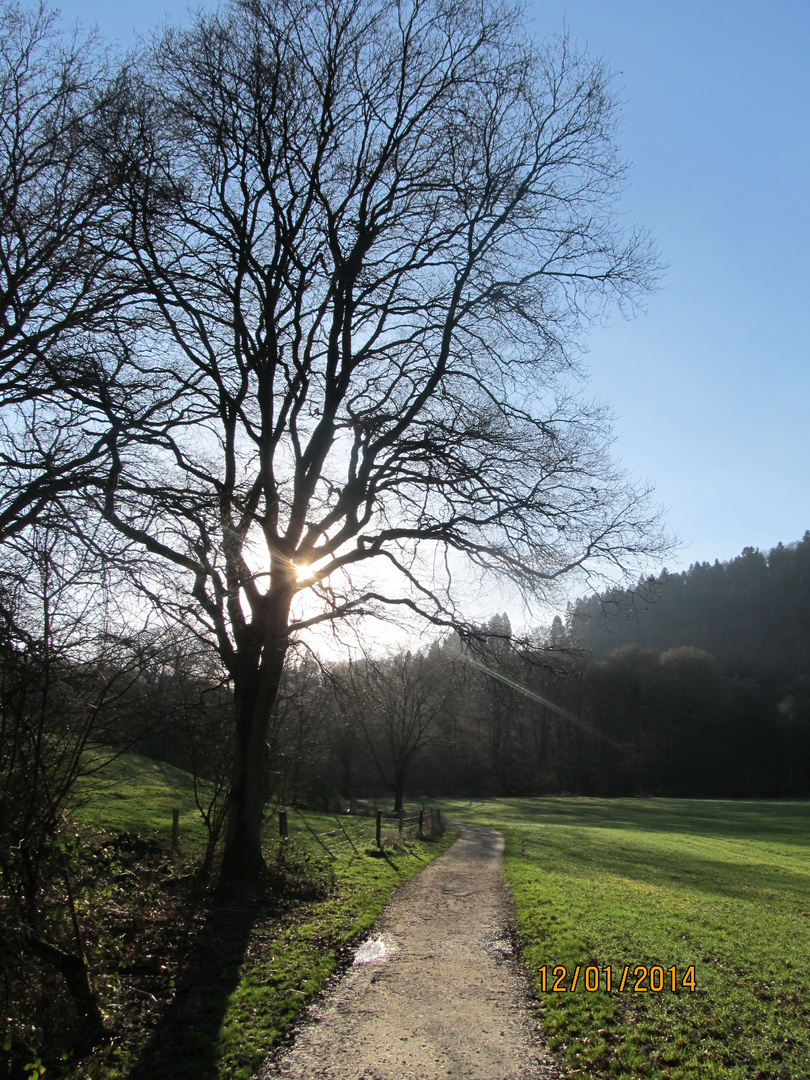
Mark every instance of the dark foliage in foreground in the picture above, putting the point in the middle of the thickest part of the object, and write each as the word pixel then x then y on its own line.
pixel 164 950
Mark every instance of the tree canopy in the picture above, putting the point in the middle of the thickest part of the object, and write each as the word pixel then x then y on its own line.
pixel 749 612
pixel 356 246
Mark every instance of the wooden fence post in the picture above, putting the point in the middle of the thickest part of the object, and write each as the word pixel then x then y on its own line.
pixel 175 831
pixel 379 828
pixel 421 824
pixel 282 824
pixel 401 816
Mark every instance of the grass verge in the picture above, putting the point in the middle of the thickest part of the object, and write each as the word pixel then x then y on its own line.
pixel 723 886
pixel 201 984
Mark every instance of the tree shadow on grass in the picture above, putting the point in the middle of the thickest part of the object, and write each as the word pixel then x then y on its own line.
pixel 184 1043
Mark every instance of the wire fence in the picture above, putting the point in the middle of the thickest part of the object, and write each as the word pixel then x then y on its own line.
pixel 340 833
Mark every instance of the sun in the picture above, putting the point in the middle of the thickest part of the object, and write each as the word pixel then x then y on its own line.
pixel 303 573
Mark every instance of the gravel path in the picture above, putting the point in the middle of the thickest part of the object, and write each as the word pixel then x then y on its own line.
pixel 446 998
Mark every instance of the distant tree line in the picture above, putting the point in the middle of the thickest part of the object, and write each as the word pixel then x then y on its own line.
pixel 712 664
pixel 751 614
pixel 693 684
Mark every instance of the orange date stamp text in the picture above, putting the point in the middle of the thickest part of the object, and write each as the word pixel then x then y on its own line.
pixel 637 980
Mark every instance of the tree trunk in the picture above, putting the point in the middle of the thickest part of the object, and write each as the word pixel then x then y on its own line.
pixel 256 684
pixel 399 790
pixel 73 969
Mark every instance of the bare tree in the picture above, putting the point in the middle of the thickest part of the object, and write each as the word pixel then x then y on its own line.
pixel 393 221
pixel 68 673
pixel 62 293
pixel 397 703
pixel 195 729
pixel 297 733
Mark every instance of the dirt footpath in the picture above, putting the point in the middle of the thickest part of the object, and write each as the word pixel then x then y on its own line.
pixel 445 998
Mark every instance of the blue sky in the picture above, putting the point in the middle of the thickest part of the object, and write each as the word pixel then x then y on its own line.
pixel 710 388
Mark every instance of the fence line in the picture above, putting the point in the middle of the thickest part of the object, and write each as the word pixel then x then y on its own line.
pixel 340 823
pixel 323 845
pixel 424 819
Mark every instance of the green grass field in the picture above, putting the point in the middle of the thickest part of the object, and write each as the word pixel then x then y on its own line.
pixel 664 883
pixel 133 794
pixel 722 888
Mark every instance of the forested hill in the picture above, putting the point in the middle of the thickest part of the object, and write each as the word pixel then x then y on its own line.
pixel 752 613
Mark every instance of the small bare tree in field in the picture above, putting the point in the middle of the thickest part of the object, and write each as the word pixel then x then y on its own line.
pixel 398 703
pixel 365 238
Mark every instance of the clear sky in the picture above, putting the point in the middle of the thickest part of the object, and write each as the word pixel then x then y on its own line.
pixel 711 386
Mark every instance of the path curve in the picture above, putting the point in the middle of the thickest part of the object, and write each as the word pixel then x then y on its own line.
pixel 446 1000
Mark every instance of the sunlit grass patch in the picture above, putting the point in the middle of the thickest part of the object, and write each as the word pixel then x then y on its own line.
pixel 719 885
pixel 134 794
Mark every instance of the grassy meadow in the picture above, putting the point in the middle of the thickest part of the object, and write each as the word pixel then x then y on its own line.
pixel 226 999
pixel 716 888
pixel 720 886
pixel 134 794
